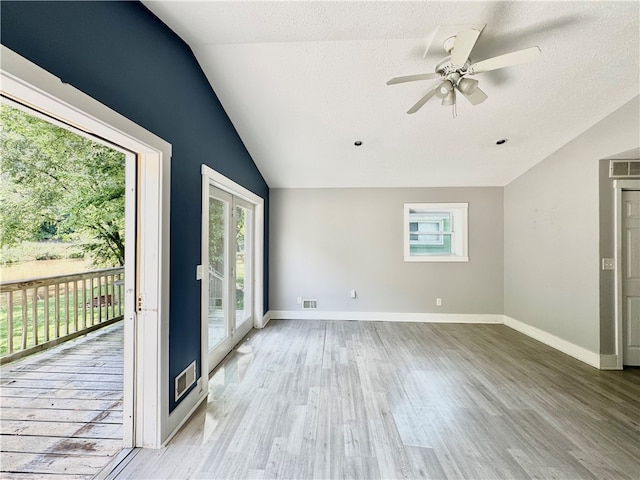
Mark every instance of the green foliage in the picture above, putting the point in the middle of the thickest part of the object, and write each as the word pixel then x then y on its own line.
pixel 217 222
pixel 59 185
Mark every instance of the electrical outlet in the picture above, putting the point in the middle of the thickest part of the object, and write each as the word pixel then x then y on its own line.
pixel 438 302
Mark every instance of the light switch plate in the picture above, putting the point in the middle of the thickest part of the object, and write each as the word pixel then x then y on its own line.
pixel 608 264
pixel 199 272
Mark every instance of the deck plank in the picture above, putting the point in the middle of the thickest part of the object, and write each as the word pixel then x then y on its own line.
pixel 61 409
pixel 61 429
pixel 52 463
pixel 62 403
pixel 68 377
pixel 56 415
pixel 100 447
pixel 60 393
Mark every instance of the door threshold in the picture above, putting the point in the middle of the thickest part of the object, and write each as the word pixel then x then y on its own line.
pixel 121 460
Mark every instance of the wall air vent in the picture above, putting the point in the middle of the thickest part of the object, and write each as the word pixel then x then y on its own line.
pixel 185 380
pixel 624 169
pixel 309 304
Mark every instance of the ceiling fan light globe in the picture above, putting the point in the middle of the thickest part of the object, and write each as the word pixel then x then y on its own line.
pixel 467 85
pixel 450 99
pixel 444 89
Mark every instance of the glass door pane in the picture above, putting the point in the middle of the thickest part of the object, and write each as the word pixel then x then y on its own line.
pixel 217 268
pixel 243 263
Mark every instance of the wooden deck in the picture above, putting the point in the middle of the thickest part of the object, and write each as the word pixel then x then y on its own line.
pixel 61 410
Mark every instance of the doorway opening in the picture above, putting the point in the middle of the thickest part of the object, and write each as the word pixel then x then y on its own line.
pixel 146 419
pixel 627 282
pixel 64 297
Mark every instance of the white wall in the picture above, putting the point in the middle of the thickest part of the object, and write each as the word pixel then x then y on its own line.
pixel 325 242
pixel 551 233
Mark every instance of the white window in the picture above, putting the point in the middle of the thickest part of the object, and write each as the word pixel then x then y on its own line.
pixel 435 232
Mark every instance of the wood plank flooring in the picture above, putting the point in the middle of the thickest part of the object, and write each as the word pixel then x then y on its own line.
pixel 367 400
pixel 61 410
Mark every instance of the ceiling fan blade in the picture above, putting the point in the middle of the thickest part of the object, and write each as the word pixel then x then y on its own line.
pixel 414 78
pixel 475 98
pixel 506 60
pixel 424 99
pixel 465 41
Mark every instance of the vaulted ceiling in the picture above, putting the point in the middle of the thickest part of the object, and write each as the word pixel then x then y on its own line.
pixel 303 81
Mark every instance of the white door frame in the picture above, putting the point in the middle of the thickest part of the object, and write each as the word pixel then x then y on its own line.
pixel 146 414
pixel 619 186
pixel 211 177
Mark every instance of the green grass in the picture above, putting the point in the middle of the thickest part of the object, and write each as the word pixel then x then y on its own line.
pixel 29 251
pixel 64 327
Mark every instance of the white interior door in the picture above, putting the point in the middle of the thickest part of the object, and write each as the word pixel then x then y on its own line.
pixel 228 271
pixel 631 276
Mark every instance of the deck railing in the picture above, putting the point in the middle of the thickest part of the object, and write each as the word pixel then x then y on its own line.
pixel 38 313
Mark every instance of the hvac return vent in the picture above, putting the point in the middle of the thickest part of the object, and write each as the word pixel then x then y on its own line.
pixel 624 169
pixel 309 304
pixel 185 380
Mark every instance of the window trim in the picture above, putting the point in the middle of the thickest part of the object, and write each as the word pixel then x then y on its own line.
pixel 460 219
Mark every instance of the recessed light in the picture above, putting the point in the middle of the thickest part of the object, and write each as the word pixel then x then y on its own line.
pixel 501 141
pixel 357 143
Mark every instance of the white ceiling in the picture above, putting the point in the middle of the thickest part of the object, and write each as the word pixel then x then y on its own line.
pixel 302 81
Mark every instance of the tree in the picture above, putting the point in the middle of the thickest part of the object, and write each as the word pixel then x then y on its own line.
pixel 60 182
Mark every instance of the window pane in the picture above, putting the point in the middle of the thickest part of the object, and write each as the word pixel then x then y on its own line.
pixel 217 271
pixel 432 247
pixel 429 227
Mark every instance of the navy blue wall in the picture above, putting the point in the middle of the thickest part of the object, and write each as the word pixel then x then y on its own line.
pixel 123 56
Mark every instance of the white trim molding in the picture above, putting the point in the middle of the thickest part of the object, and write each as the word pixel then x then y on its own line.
pixel 609 362
pixel 571 349
pixel 265 319
pixel 385 316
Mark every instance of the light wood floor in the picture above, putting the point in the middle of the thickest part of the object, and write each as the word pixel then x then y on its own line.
pixel 61 410
pixel 367 400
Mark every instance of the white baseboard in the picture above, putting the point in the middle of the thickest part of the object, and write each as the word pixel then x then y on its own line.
pixel 609 362
pixel 577 352
pixel 384 316
pixel 185 410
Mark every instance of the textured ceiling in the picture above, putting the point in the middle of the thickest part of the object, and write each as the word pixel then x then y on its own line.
pixel 302 81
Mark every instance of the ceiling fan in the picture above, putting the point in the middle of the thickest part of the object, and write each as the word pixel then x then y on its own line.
pixel 454 71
